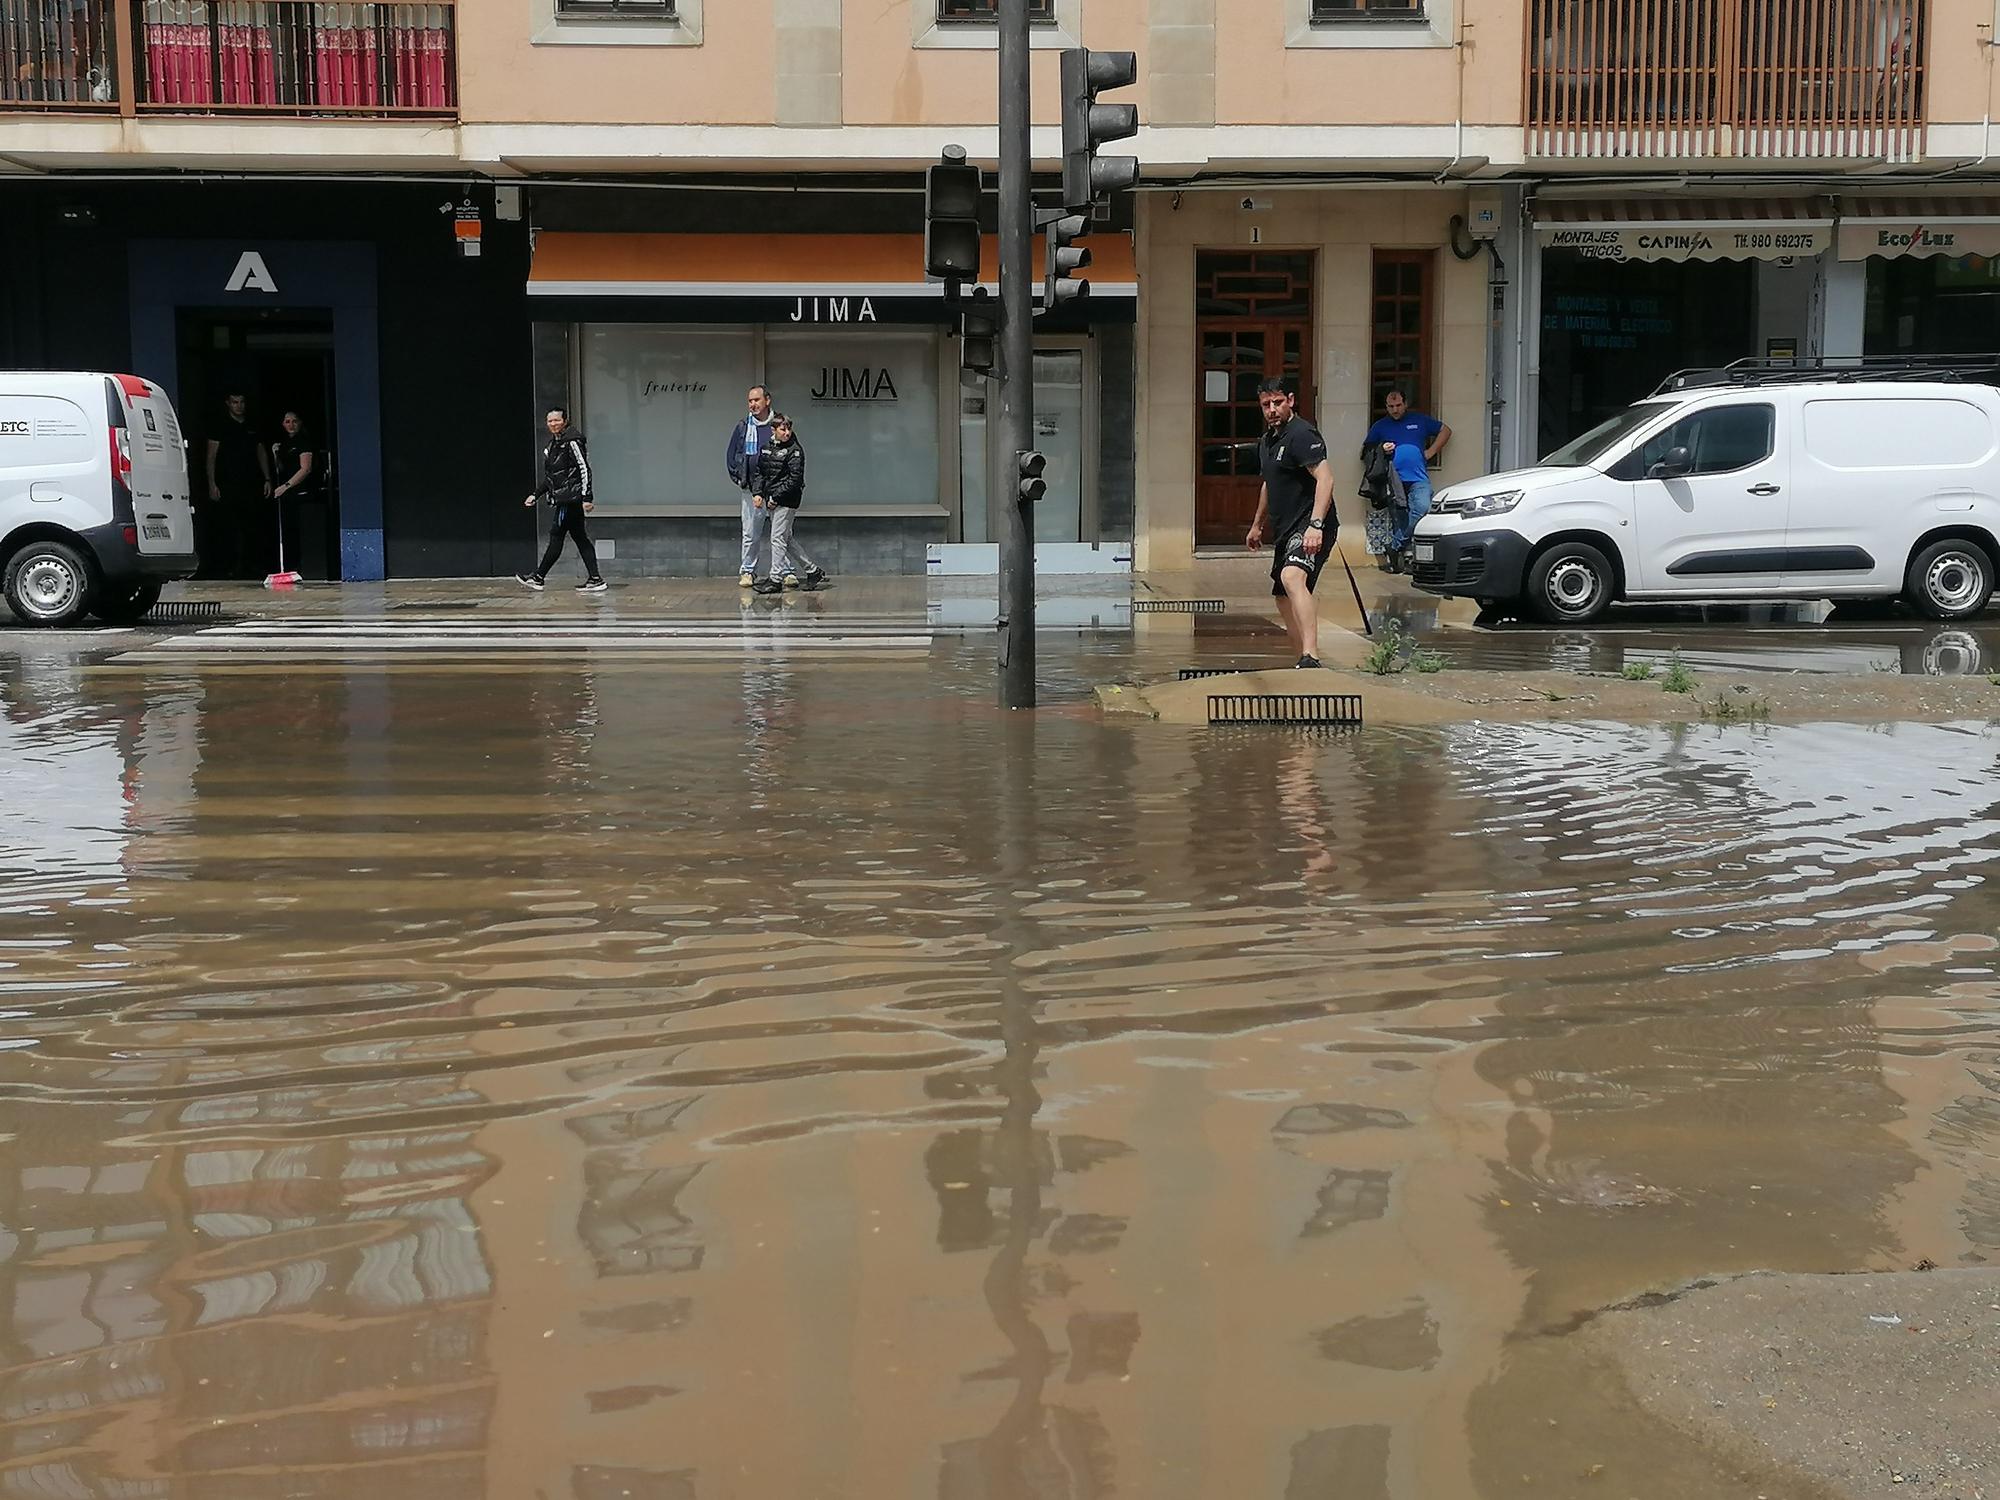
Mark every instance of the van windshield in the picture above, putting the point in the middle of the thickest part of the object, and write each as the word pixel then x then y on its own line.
pixel 1605 436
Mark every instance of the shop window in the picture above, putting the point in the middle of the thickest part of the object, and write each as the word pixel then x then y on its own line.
pixel 1400 322
pixel 1336 12
pixel 658 404
pixel 865 405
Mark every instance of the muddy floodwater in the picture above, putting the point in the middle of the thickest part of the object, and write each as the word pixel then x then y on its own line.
pixel 790 1078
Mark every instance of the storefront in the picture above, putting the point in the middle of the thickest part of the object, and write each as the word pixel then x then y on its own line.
pixel 653 339
pixel 1931 269
pixel 1634 289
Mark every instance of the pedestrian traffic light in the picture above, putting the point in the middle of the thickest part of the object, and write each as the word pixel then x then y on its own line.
pixel 1086 124
pixel 1032 486
pixel 978 331
pixel 1058 285
pixel 952 190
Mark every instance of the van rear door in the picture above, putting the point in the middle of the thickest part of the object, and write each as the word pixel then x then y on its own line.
pixel 158 476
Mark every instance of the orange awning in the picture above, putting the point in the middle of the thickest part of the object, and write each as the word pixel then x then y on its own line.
pixel 766 265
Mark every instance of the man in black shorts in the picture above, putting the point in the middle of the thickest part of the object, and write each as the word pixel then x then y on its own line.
pixel 1296 499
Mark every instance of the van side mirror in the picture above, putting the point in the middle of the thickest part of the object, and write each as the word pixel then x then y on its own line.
pixel 1672 465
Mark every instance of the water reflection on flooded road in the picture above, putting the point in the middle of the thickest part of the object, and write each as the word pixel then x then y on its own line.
pixel 813 1083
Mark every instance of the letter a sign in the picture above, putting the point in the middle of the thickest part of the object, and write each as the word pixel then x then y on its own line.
pixel 251 275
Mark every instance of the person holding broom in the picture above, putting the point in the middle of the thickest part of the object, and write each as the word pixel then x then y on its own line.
pixel 1296 500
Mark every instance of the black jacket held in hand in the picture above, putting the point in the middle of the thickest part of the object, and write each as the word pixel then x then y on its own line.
pixel 1381 485
pixel 781 474
pixel 565 470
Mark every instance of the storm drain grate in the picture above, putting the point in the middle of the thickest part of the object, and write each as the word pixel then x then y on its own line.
pixel 1189 674
pixel 1342 710
pixel 439 604
pixel 1177 606
pixel 175 610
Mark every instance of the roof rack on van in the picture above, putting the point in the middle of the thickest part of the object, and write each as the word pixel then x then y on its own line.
pixel 1838 369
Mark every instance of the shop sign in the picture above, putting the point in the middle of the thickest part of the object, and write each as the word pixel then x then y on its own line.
pixel 1684 241
pixel 1861 239
pixel 251 275
pixel 847 383
pixel 833 310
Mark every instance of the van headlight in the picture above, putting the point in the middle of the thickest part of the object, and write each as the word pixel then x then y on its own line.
pixel 1490 505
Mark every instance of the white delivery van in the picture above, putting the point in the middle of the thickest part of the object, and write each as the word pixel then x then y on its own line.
pixel 94 512
pixel 1743 483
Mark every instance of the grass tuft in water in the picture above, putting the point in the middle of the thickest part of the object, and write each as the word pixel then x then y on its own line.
pixel 1678 679
pixel 1727 708
pixel 1428 661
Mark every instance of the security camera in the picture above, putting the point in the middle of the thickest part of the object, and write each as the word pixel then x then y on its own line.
pixel 1249 205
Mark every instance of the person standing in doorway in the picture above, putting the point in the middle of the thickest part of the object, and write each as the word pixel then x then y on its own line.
pixel 782 483
pixel 1295 508
pixel 747 442
pixel 296 465
pixel 1413 441
pixel 566 487
pixel 239 482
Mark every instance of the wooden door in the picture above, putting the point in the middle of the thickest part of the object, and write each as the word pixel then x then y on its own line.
pixel 1254 322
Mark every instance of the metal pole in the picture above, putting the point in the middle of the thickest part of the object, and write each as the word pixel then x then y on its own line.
pixel 1015 431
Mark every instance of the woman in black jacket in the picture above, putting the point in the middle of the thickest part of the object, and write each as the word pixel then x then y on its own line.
pixel 781 485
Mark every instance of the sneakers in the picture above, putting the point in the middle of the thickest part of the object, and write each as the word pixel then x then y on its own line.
pixel 529 581
pixel 745 581
pixel 592 586
pixel 815 577
pixel 791 580
pixel 767 586
pixel 1306 661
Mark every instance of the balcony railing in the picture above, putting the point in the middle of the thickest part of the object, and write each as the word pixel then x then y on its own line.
pixel 298 58
pixel 1756 79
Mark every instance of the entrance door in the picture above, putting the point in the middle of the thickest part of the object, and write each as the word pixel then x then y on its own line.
pixel 279 362
pixel 1059 437
pixel 1254 322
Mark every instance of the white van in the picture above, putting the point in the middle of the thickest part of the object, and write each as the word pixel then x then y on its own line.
pixel 94 512
pixel 1756 484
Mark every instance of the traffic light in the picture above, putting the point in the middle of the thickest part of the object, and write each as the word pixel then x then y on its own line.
pixel 1086 124
pixel 978 331
pixel 1058 285
pixel 952 190
pixel 1032 486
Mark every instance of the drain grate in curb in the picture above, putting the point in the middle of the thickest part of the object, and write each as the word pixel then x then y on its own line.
pixel 176 611
pixel 440 604
pixel 1189 674
pixel 1341 710
pixel 1177 606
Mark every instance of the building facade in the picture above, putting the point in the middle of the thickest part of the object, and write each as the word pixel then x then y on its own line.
pixel 1524 212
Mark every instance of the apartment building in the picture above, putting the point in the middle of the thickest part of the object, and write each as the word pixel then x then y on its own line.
pixel 425 222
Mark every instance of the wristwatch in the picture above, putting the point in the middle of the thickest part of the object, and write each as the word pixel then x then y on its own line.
pixel 1315 526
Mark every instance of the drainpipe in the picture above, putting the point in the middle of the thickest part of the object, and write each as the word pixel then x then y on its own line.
pixel 1459 27
pixel 1496 316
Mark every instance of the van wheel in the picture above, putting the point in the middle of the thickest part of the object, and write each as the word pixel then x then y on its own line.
pixel 127 607
pixel 47 583
pixel 1570 584
pixel 1950 580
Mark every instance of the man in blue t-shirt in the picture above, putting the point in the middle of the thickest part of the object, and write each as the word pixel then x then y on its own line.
pixel 1415 441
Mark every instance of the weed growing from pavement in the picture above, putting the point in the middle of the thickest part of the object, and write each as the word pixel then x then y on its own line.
pixel 1678 679
pixel 1994 678
pixel 1637 671
pixel 1387 656
pixel 1428 661
pixel 1726 709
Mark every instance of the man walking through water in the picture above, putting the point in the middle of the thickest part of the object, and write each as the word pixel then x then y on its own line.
pixel 566 486
pixel 1296 500
pixel 747 442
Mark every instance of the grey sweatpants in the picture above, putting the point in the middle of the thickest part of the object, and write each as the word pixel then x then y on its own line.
pixel 787 557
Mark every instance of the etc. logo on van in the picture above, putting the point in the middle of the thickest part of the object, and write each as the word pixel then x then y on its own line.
pixel 13 429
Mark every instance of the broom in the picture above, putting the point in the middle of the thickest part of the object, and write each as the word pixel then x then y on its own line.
pixel 285 579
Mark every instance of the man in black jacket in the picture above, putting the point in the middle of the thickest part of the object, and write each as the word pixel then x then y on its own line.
pixel 566 486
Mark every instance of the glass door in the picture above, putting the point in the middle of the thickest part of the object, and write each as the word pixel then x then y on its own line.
pixel 1059 436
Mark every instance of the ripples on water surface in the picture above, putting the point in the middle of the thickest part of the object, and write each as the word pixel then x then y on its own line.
pixel 696 1086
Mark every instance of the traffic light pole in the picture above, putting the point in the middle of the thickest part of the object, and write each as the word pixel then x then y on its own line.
pixel 1015 432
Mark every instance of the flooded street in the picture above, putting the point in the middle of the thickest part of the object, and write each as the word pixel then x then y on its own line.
pixel 759 1067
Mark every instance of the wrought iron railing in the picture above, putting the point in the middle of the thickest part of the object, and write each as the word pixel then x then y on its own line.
pixel 1762 79
pixel 276 57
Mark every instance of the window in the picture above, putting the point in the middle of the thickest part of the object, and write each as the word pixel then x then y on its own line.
pixel 1400 340
pixel 1339 12
pixel 1040 12
pixel 602 10
pixel 1719 441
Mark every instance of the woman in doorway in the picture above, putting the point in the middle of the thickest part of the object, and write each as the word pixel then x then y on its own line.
pixel 296 465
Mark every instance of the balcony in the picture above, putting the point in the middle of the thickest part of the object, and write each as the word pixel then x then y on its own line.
pixel 293 59
pixel 1753 80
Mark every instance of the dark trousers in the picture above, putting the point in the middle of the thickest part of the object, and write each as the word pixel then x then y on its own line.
pixel 568 522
